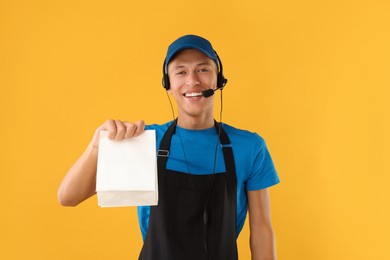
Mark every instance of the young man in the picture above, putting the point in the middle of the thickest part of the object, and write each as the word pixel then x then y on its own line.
pixel 209 174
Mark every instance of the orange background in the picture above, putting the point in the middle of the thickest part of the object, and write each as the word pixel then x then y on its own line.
pixel 311 77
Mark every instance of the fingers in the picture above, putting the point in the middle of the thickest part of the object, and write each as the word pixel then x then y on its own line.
pixel 140 127
pixel 134 129
pixel 118 130
pixel 110 127
pixel 130 129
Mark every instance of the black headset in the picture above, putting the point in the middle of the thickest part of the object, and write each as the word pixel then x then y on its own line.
pixel 221 80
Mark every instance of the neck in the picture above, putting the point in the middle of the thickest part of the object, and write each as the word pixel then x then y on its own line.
pixel 195 123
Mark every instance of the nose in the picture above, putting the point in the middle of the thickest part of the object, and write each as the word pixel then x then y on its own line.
pixel 192 79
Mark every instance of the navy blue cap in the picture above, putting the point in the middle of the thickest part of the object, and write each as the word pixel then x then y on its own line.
pixel 190 42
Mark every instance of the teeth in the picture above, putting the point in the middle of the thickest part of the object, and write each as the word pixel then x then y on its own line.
pixel 193 94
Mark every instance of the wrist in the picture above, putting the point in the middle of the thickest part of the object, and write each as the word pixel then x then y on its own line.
pixel 93 148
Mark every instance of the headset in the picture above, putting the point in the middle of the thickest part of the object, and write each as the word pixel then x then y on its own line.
pixel 221 80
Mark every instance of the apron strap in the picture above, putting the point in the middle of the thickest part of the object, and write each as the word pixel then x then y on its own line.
pixel 165 144
pixel 228 156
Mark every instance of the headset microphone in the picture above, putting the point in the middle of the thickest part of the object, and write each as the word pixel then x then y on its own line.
pixel 209 92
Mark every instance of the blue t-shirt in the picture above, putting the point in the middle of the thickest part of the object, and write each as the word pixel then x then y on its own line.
pixel 254 167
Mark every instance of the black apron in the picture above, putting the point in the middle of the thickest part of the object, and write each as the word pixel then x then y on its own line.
pixel 195 218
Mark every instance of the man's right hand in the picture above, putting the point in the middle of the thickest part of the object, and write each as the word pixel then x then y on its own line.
pixel 118 130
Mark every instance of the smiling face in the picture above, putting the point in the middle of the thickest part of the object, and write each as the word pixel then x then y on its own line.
pixel 190 73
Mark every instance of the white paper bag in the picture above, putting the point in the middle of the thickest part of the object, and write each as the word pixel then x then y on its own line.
pixel 127 171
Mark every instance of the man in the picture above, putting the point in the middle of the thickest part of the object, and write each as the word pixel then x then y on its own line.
pixel 209 174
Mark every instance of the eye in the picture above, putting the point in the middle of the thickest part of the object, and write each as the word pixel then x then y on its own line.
pixel 180 72
pixel 204 70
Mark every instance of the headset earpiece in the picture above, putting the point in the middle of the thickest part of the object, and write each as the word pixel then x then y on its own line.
pixel 165 82
pixel 221 80
pixel 165 79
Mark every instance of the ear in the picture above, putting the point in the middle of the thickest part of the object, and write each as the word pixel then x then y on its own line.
pixel 169 91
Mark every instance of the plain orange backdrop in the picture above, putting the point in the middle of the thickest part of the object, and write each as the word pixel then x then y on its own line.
pixel 311 77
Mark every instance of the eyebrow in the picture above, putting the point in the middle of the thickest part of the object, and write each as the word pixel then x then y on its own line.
pixel 197 65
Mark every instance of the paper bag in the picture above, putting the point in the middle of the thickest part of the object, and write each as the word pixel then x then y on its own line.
pixel 127 171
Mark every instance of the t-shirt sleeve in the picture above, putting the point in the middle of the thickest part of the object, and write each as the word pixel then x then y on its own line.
pixel 263 173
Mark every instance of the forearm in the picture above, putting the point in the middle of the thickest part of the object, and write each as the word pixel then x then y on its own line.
pixel 80 181
pixel 262 244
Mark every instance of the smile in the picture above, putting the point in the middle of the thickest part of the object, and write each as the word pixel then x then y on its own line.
pixel 194 94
